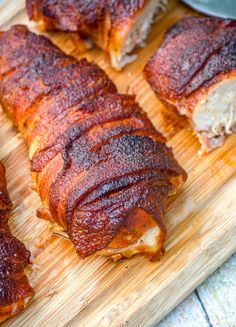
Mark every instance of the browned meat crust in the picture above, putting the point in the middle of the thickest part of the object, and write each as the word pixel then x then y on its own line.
pixel 96 158
pixel 87 17
pixel 107 23
pixel 194 54
pixel 14 286
pixel 197 54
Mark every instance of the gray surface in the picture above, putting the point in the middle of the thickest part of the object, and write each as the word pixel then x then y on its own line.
pixel 219 8
pixel 212 304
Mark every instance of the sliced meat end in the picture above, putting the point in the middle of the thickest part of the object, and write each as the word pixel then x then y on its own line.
pixel 127 39
pixel 215 114
pixel 140 234
pixel 8 311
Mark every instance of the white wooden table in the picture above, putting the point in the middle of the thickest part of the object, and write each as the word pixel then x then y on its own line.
pixel 213 304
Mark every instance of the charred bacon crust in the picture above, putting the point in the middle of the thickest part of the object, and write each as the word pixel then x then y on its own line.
pixel 193 54
pixel 97 19
pixel 5 202
pixel 95 155
pixel 14 285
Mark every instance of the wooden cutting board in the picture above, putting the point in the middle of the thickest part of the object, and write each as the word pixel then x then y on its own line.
pixel 201 219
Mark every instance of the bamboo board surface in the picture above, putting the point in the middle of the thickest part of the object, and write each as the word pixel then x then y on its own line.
pixel 201 220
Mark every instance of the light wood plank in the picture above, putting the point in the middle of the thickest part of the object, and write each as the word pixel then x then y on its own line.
pixel 9 9
pixel 190 263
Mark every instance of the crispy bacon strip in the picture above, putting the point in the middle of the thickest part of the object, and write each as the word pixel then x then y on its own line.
pixel 15 290
pixel 115 26
pixel 101 169
pixel 194 70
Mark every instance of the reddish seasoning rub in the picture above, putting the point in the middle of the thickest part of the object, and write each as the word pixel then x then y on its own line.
pixel 15 290
pixel 194 70
pixel 101 169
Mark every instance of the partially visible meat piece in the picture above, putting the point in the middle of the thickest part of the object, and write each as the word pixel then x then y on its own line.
pixel 15 291
pixel 194 70
pixel 103 172
pixel 115 26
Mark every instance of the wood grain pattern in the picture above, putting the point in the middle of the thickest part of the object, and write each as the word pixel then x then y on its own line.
pixel 201 219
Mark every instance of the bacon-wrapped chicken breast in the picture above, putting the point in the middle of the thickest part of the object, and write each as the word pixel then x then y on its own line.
pixel 101 169
pixel 194 70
